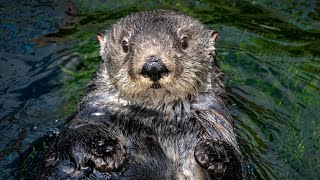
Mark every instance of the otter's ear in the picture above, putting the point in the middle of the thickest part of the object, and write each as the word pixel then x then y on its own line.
pixel 213 36
pixel 100 38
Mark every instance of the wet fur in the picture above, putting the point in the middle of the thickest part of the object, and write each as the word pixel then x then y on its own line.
pixel 159 128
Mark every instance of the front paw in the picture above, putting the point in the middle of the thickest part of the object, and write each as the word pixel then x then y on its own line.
pixel 106 151
pixel 218 158
pixel 84 150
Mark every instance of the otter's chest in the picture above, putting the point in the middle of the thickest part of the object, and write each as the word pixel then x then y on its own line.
pixel 163 144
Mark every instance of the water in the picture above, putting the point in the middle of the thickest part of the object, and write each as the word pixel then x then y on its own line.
pixel 269 51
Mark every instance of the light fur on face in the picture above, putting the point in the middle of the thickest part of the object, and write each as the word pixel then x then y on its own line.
pixel 189 69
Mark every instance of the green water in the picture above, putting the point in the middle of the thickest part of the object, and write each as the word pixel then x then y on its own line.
pixel 269 52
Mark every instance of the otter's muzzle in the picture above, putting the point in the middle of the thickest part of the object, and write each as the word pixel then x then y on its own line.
pixel 154 68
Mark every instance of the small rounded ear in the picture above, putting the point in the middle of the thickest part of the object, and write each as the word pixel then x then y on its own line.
pixel 213 36
pixel 211 39
pixel 100 38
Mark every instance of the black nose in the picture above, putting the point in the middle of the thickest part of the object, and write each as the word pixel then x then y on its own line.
pixel 154 68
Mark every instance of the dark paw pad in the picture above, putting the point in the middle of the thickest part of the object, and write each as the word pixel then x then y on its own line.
pixel 105 154
pixel 215 156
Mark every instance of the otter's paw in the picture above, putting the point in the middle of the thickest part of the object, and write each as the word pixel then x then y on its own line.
pixel 85 151
pixel 218 158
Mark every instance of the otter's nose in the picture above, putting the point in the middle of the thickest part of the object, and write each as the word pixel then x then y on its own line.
pixel 154 68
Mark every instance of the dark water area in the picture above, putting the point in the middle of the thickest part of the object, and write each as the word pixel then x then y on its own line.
pixel 269 51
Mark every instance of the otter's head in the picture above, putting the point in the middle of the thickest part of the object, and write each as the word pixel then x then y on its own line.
pixel 157 53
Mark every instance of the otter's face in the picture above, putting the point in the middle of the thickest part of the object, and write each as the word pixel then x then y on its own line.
pixel 154 53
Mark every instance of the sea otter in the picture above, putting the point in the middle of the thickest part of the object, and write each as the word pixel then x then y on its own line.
pixel 155 109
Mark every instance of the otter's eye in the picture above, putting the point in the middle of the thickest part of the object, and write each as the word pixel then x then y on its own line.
pixel 125 46
pixel 184 42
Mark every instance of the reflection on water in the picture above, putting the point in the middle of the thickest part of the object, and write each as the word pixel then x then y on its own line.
pixel 270 52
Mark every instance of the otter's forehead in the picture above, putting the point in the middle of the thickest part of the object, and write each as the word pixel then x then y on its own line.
pixel 157 23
